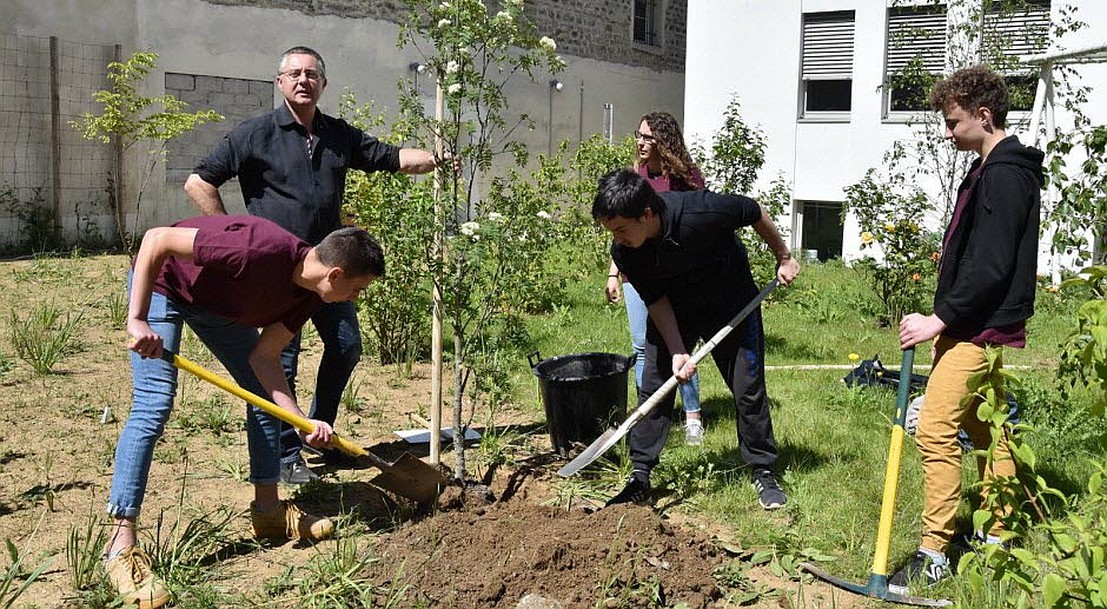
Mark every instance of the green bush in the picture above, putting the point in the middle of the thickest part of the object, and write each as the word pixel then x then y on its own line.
pixel 889 215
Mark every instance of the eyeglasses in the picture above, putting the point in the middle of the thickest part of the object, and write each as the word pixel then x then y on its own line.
pixel 645 137
pixel 311 75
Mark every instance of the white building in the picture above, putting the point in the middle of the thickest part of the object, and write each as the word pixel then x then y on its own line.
pixel 809 74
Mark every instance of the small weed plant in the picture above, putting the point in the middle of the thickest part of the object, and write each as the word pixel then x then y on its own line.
pixel 83 549
pixel 44 337
pixel 212 416
pixel 15 578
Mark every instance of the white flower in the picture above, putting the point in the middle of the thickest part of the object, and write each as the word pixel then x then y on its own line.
pixel 454 89
pixel 451 67
pixel 444 22
pixel 496 216
pixel 548 43
pixel 545 215
pixel 504 15
pixel 444 6
pixel 469 228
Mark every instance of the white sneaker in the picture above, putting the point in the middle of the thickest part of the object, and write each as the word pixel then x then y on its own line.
pixel 693 432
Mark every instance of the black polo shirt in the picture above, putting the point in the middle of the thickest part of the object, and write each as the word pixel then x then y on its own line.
pixel 698 261
pixel 280 182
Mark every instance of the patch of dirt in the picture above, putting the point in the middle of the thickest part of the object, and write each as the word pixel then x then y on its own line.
pixel 495 555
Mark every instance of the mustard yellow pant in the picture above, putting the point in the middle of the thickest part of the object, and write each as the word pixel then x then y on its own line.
pixel 944 411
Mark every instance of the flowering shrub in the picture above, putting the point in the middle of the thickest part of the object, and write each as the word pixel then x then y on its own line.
pixel 477 252
pixel 902 256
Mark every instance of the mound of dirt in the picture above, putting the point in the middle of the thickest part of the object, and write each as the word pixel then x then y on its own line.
pixel 495 555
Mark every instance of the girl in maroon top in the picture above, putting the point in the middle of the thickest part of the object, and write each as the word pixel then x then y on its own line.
pixel 663 160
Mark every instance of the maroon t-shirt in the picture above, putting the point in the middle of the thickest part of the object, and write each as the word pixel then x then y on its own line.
pixel 665 183
pixel 242 270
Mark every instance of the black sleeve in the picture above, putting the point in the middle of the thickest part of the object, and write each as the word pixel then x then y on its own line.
pixel 225 161
pixel 371 154
pixel 1006 196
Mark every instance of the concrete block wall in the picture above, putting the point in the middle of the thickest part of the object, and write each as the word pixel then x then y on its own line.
pixel 237 99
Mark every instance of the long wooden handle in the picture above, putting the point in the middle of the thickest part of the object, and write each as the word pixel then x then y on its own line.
pixel 891 474
pixel 287 416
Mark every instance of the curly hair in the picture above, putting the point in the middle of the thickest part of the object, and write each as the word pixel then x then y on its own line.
pixel 973 88
pixel 669 143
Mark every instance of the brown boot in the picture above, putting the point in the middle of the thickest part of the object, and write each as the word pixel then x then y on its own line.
pixel 129 573
pixel 289 522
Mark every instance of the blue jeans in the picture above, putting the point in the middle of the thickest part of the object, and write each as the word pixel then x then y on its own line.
pixel 337 326
pixel 155 386
pixel 636 316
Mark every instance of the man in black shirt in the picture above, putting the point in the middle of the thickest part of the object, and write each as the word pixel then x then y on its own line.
pixel 291 164
pixel 680 251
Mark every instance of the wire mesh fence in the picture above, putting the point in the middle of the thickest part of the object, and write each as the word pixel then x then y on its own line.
pixel 52 180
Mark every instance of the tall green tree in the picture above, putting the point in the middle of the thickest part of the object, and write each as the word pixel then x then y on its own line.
pixel 134 119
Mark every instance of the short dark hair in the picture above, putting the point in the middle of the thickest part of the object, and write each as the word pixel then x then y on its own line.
pixel 354 251
pixel 302 50
pixel 973 88
pixel 624 193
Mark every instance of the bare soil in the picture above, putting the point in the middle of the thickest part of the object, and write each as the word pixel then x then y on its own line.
pixel 473 551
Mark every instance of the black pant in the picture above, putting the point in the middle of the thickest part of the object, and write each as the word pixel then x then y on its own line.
pixel 741 360
pixel 336 323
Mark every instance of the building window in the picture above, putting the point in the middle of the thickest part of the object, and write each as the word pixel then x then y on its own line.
pixel 914 57
pixel 1011 33
pixel 827 65
pixel 646 22
pixel 820 229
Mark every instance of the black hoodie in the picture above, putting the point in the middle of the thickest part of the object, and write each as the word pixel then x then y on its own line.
pixel 988 267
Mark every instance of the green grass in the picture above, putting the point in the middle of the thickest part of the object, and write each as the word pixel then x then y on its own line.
pixel 833 440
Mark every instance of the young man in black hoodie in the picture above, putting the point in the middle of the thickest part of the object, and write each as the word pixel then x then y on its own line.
pixel 985 294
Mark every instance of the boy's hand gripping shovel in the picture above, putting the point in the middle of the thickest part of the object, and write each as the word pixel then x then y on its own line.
pixel 612 436
pixel 877 586
pixel 408 476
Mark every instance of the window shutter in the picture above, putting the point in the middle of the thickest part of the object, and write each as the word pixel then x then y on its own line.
pixel 828 46
pixel 917 32
pixel 1020 32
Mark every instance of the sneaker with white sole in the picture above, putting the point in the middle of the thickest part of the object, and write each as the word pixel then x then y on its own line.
pixel 129 573
pixel 923 569
pixel 693 432
pixel 769 493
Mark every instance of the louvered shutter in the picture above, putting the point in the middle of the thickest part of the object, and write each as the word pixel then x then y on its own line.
pixel 1020 32
pixel 917 32
pixel 828 46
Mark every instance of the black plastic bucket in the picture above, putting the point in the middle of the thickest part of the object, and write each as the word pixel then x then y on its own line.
pixel 583 394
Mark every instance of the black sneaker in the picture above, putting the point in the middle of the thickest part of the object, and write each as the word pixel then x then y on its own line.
pixel 296 473
pixel 636 491
pixel 922 569
pixel 769 493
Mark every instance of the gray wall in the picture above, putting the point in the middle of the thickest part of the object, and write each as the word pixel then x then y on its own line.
pixel 225 43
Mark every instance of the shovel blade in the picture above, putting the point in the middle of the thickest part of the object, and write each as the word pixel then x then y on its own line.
pixel 606 440
pixel 409 477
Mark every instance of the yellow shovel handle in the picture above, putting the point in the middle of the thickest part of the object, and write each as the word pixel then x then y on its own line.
pixel 287 416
